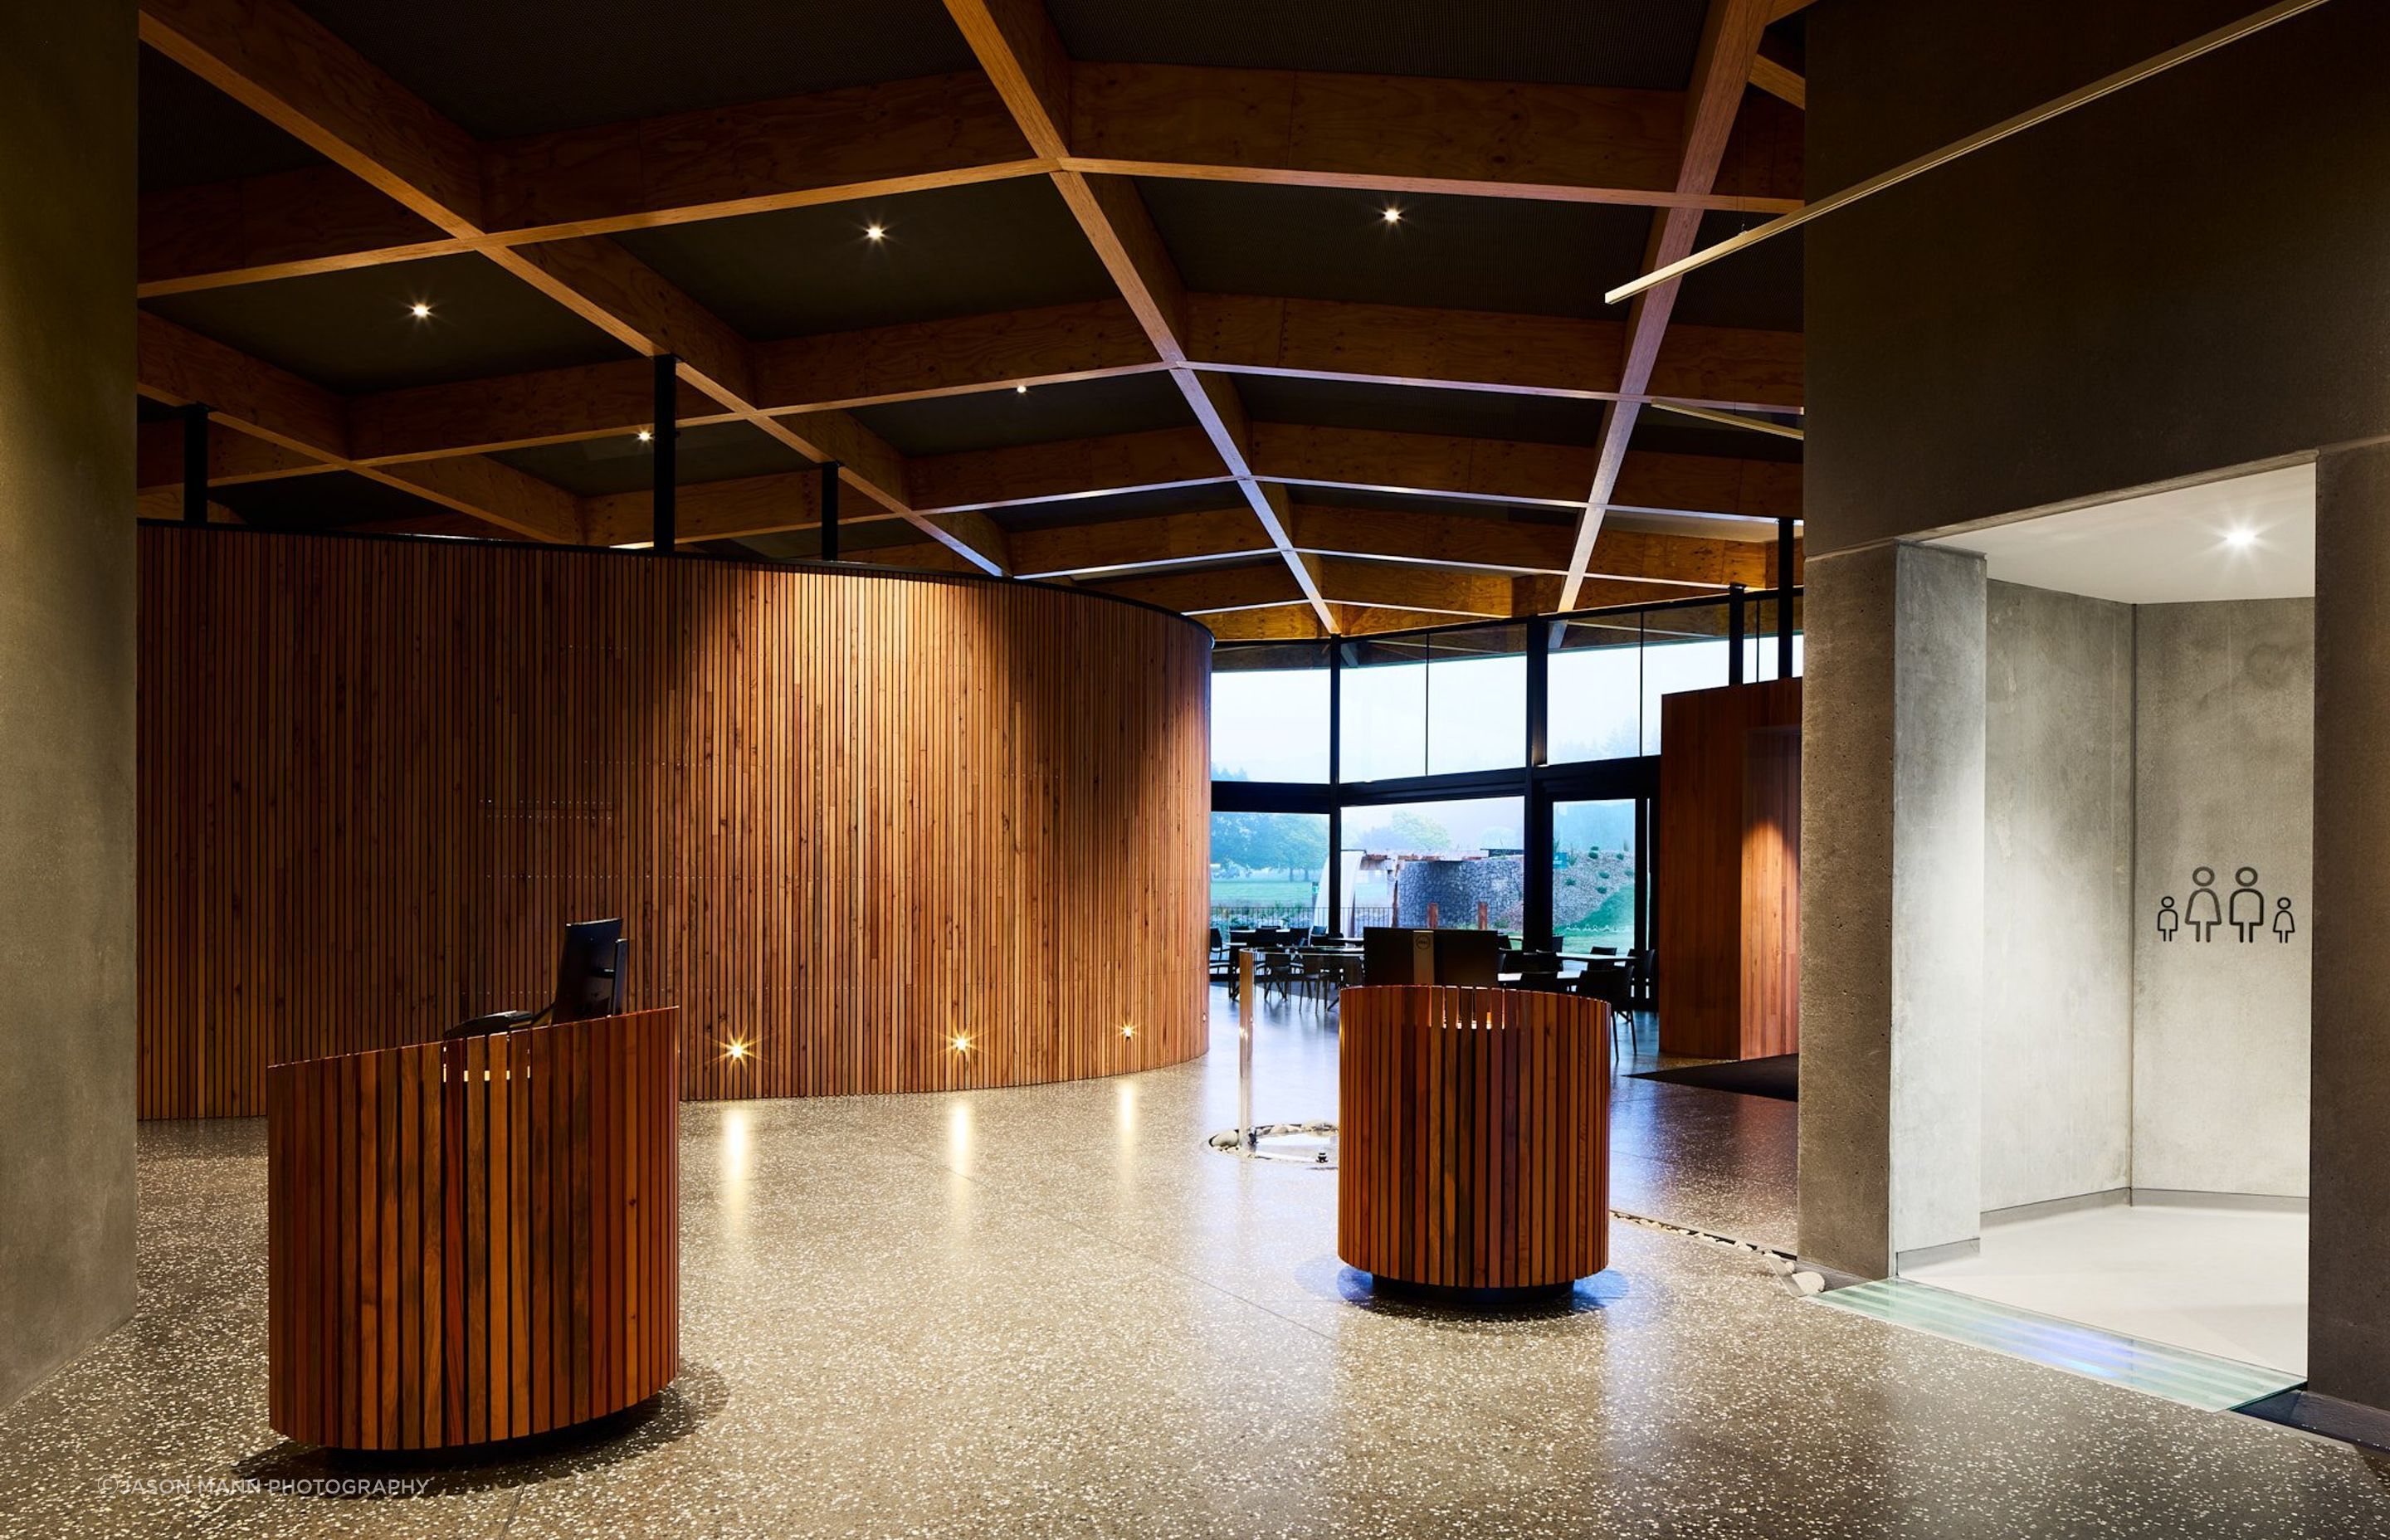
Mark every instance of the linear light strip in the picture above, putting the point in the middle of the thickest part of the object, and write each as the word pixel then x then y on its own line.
pixel 2209 43
pixel 1729 420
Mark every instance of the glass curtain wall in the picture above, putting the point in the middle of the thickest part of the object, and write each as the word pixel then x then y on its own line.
pixel 1446 703
pixel 1595 875
pixel 1461 858
pixel 1269 868
pixel 1430 797
pixel 1269 714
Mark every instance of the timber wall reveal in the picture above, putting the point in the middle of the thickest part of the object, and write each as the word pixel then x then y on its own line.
pixel 847 817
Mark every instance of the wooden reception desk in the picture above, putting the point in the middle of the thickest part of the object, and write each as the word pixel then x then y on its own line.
pixel 475 1239
pixel 1474 1138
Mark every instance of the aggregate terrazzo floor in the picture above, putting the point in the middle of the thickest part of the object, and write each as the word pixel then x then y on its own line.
pixel 1053 1311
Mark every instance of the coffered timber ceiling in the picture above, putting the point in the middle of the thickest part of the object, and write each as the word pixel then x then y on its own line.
pixel 1405 457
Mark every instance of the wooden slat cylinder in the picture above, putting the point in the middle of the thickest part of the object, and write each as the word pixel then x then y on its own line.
pixel 474 1240
pixel 870 831
pixel 1473 1137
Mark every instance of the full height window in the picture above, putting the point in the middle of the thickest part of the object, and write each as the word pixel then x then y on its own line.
pixel 1269 714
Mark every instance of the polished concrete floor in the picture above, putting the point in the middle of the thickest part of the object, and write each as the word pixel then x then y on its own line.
pixel 2232 1282
pixel 1055 1312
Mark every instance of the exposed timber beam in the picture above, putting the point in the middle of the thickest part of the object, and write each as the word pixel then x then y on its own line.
pixel 1711 367
pixel 1470 541
pixel 1211 590
pixel 1576 144
pixel 1049 345
pixel 1718 367
pixel 1424 465
pixel 289 68
pixel 1524 549
pixel 1127 545
pixel 1486 138
pixel 1367 603
pixel 1503 471
pixel 833 147
pixel 1780 81
pixel 296 419
pixel 1016 43
pixel 1721 72
pixel 235 458
pixel 1070 468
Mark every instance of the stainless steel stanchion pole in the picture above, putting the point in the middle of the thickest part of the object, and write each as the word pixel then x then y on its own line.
pixel 1247 1140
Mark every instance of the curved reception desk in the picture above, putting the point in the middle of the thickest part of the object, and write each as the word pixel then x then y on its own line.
pixel 1473 1128
pixel 474 1239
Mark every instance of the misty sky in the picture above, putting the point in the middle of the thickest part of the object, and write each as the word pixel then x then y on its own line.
pixel 1461 713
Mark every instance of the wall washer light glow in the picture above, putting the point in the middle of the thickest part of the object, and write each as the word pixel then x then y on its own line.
pixel 736 1051
pixel 2240 539
pixel 419 310
pixel 875 232
pixel 1021 389
pixel 1129 1032
pixel 646 435
pixel 1392 215
pixel 962 1045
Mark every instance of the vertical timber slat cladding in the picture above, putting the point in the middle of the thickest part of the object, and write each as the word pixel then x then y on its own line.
pixel 1771 892
pixel 849 820
pixel 485 1349
pixel 1474 1141
pixel 1729 937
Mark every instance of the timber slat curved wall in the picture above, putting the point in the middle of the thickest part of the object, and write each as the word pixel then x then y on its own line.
pixel 1474 1135
pixel 473 1240
pixel 846 817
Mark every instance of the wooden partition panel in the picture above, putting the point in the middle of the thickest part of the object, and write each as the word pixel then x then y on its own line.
pixel 1771 892
pixel 1473 1145
pixel 473 1240
pixel 1727 933
pixel 850 820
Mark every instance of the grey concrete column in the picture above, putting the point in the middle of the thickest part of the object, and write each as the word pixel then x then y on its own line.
pixel 66 682
pixel 1892 905
pixel 2348 1156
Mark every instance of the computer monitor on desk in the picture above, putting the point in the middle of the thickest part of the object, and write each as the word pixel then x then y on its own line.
pixel 588 983
pixel 589 973
pixel 1396 954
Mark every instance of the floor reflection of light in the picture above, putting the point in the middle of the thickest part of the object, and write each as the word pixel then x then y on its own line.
pixel 737 1164
pixel 959 1186
pixel 958 1134
pixel 1125 1116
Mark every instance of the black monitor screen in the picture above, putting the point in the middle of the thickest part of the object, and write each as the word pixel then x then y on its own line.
pixel 589 974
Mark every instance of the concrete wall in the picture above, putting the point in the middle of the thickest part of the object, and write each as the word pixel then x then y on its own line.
pixel 2224 780
pixel 66 682
pixel 2184 277
pixel 2058 897
pixel 1892 905
pixel 1938 872
pixel 2348 1256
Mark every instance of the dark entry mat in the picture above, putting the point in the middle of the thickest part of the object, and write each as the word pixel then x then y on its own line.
pixel 1777 1076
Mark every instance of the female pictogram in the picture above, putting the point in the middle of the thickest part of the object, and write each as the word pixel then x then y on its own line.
pixel 2202 912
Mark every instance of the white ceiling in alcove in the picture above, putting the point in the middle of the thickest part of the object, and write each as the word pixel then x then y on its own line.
pixel 2248 537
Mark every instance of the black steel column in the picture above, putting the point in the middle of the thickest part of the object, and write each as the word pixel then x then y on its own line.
pixel 667 447
pixel 1335 788
pixel 195 463
pixel 1784 598
pixel 1734 633
pixel 1644 869
pixel 1536 886
pixel 829 510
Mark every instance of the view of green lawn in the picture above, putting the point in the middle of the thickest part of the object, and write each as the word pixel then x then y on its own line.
pixel 1262 889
